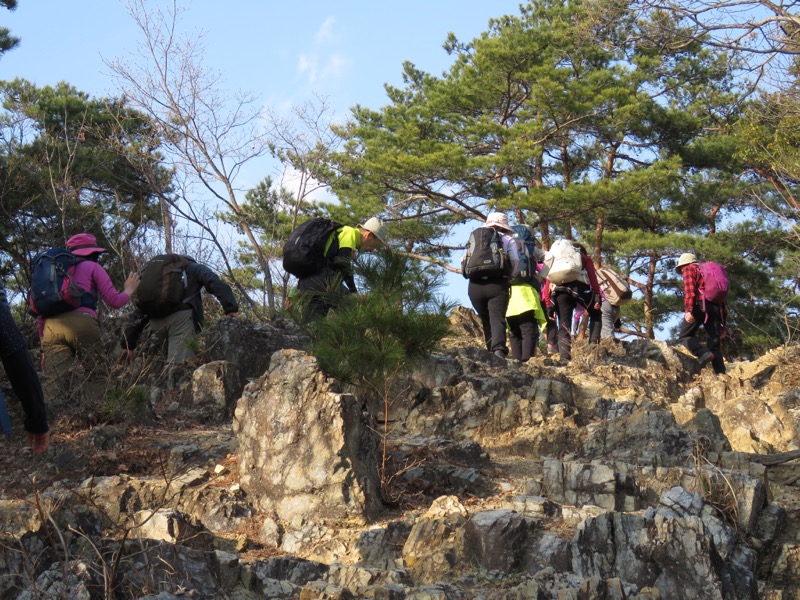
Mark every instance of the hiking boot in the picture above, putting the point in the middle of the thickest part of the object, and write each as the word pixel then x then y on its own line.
pixel 39 442
pixel 555 362
pixel 706 358
pixel 500 353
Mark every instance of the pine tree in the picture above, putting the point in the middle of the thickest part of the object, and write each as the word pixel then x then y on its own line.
pixel 369 340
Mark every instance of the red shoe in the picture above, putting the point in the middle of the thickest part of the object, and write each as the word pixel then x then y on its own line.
pixel 39 442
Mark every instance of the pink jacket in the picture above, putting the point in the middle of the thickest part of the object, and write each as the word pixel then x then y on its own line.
pixel 91 276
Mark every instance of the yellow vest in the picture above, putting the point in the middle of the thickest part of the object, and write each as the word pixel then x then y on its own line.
pixel 524 298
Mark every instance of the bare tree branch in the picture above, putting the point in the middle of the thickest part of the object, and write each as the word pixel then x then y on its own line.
pixel 210 136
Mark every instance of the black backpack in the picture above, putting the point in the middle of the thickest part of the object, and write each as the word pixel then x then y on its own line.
pixel 162 290
pixel 304 252
pixel 53 290
pixel 484 257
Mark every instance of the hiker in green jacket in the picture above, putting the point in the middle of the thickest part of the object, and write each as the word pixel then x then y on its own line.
pixel 319 291
pixel 524 318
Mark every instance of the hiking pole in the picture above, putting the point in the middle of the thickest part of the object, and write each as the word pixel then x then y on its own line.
pixel 5 421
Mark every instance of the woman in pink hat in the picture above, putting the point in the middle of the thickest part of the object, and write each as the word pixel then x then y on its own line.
pixel 76 333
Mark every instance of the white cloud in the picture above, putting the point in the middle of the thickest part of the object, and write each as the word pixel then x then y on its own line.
pixel 292 180
pixel 307 66
pixel 326 32
pixel 324 62
pixel 336 66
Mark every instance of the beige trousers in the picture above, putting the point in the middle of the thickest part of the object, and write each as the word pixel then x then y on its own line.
pixel 70 341
pixel 177 330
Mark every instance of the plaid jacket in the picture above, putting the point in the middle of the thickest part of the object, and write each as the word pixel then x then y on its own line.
pixel 692 287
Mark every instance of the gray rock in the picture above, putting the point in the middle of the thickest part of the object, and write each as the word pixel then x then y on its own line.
pixel 497 540
pixel 234 341
pixel 306 449
pixel 216 386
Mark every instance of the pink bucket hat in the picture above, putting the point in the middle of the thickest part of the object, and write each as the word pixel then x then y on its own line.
pixel 83 244
pixel 498 220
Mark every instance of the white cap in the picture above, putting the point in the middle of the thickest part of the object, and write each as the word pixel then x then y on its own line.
pixel 375 226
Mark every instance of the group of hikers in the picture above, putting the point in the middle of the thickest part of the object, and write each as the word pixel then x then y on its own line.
pixel 65 288
pixel 516 288
pixel 519 289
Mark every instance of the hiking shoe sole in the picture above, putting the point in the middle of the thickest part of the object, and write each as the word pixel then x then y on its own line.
pixel 706 358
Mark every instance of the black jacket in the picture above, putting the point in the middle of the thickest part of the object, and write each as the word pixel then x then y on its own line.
pixel 198 277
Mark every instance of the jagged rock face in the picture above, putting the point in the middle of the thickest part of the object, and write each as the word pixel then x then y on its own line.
pixel 306 449
pixel 611 477
pixel 758 403
pixel 248 347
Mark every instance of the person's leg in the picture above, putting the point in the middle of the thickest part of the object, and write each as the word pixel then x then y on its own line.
pixel 565 305
pixel 551 336
pixel 319 293
pixel 609 316
pixel 529 329
pixel 713 327
pixel 159 332
pixel 497 305
pixel 479 298
pixel 28 389
pixel 687 334
pixel 180 334
pixel 90 352
pixel 595 324
pixel 577 315
pixel 58 349
pixel 21 372
pixel 515 336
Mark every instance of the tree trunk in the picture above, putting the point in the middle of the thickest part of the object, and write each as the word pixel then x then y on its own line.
pixel 168 223
pixel 599 228
pixel 648 298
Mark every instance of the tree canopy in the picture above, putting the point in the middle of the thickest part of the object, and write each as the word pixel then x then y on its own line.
pixel 636 128
pixel 70 163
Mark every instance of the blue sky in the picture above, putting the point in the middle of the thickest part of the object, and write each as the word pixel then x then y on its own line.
pixel 283 52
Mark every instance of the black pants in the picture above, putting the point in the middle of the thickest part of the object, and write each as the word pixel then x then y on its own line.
pixel 551 334
pixel 565 304
pixel 523 335
pixel 711 320
pixel 588 299
pixel 489 298
pixel 21 373
pixel 319 293
pixel 566 297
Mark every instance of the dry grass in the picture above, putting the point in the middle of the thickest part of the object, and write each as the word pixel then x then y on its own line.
pixel 715 486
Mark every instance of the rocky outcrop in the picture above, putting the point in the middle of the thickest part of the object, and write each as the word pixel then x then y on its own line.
pixel 629 473
pixel 248 347
pixel 758 403
pixel 306 449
